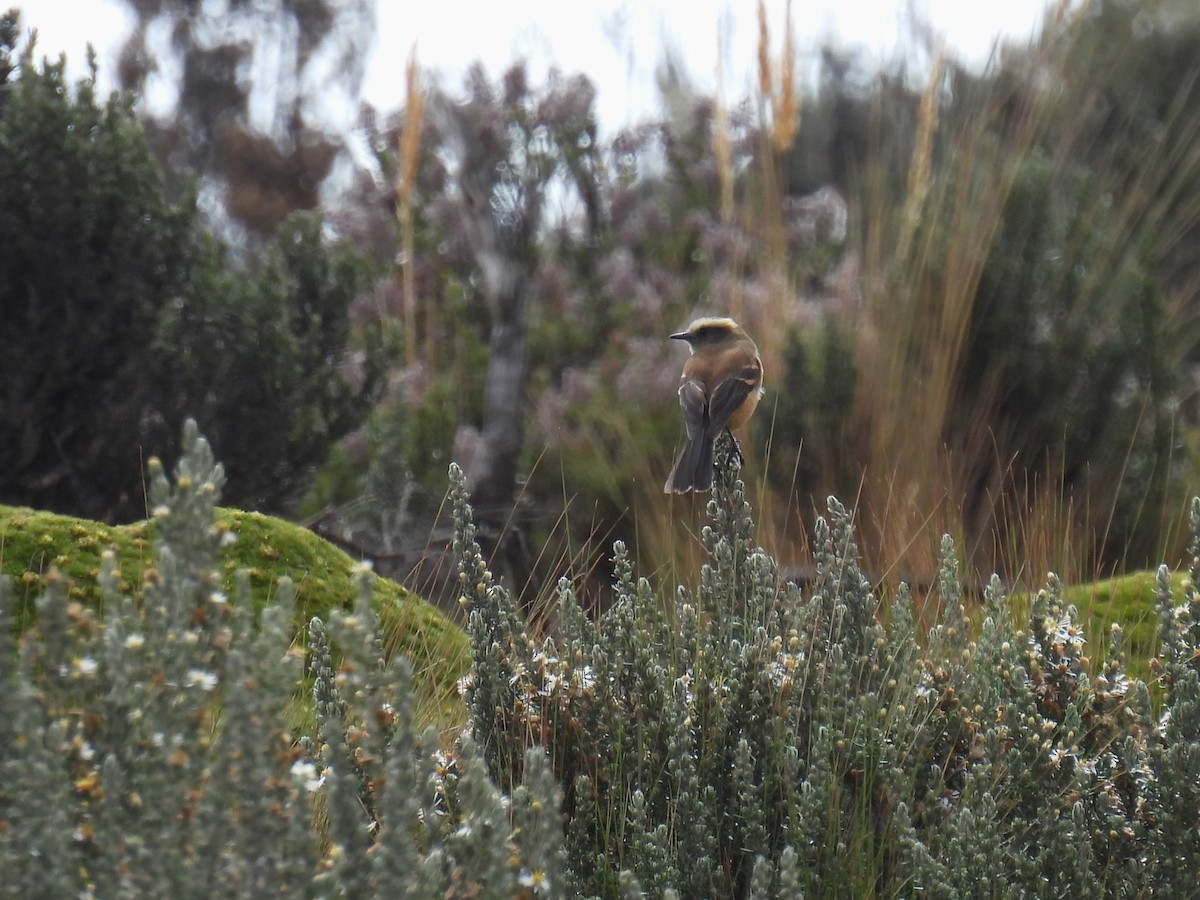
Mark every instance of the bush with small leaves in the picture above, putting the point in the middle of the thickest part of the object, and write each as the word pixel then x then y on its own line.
pixel 149 751
pixel 750 738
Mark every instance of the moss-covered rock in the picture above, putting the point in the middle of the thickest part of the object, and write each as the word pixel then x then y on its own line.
pixel 1128 600
pixel 34 543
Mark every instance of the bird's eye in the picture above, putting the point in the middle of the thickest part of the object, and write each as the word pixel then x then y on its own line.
pixel 704 332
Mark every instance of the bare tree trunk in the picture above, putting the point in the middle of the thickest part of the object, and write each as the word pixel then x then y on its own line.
pixel 502 236
pixel 493 476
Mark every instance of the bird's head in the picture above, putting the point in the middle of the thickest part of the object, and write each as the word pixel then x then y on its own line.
pixel 710 330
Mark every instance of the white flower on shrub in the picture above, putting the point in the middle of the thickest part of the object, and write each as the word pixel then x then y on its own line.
pixel 306 773
pixel 202 679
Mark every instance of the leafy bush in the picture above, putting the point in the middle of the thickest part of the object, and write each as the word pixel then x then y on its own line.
pixel 267 357
pixel 122 316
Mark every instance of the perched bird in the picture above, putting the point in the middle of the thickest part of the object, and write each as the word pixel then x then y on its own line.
pixel 719 388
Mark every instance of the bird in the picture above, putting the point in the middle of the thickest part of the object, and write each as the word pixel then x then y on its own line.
pixel 720 386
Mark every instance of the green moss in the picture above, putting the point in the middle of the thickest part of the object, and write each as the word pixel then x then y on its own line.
pixel 33 543
pixel 1129 601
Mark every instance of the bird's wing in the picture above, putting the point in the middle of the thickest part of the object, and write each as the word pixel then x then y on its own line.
pixel 693 402
pixel 729 395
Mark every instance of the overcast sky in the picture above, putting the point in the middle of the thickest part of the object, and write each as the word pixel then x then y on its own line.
pixel 618 43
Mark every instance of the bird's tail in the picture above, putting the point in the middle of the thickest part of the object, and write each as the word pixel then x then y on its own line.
pixel 693 470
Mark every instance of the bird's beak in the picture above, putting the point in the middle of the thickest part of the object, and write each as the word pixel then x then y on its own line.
pixel 679 336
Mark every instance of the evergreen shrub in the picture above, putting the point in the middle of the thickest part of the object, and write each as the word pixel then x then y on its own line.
pixel 749 738
pixel 756 738
pixel 148 750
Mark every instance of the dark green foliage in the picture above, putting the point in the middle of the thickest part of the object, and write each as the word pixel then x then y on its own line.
pixel 1071 347
pixel 1080 312
pixel 258 359
pixel 92 250
pixel 121 317
pixel 812 422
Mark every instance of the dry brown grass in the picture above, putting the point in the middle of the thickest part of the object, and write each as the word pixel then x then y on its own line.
pixel 408 149
pixel 915 464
